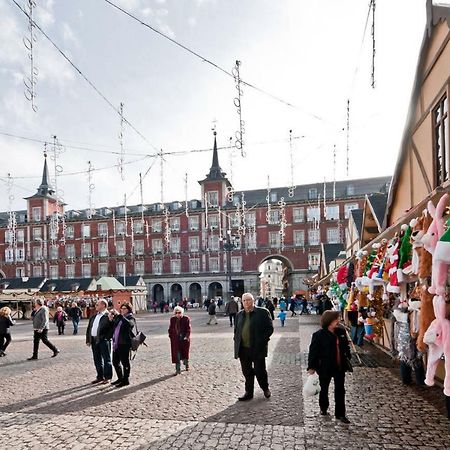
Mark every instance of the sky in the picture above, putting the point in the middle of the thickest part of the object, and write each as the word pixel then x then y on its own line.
pixel 310 54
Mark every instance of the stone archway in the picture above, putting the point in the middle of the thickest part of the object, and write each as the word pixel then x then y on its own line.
pixel 195 292
pixel 158 293
pixel 215 290
pixel 176 292
pixel 276 276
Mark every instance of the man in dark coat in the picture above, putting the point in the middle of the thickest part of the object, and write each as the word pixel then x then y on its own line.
pixel 98 337
pixel 212 313
pixel 252 332
pixel 329 356
pixel 232 308
pixel 75 314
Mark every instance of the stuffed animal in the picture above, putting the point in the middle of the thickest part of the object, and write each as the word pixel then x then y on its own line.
pixel 430 240
pixel 437 337
pixel 421 259
pixel 426 316
pixel 378 261
pixel 404 253
pixel 391 266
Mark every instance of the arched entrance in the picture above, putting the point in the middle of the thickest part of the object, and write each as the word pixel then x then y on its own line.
pixel 275 276
pixel 195 292
pixel 176 292
pixel 158 293
pixel 215 290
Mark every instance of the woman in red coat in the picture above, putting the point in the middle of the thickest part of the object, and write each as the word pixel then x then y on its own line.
pixel 180 338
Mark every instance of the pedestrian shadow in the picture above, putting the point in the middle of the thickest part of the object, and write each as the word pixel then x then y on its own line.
pixel 16 407
pixel 89 399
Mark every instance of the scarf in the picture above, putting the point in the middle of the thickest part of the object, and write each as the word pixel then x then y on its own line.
pixel 116 336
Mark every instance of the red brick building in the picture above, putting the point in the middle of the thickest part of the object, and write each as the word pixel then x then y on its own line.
pixel 189 250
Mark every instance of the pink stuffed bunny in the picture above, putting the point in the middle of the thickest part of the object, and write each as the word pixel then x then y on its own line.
pixel 430 239
pixel 437 337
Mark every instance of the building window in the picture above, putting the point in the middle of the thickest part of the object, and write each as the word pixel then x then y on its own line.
pixel 70 232
pixel 157 267
pixel 8 237
pixel 157 246
pixel 348 207
pixel 274 239
pixel 20 272
pixel 212 198
pixel 70 251
pixel 138 226
pixel 86 231
pixel 213 221
pixel 237 242
pixel 156 225
pixel 194 265
pixel 37 253
pixel 86 251
pixel 120 269
pixel 20 235
pixel 70 270
pixel 236 264
pixel 193 243
pixel 313 261
pixel 298 215
pixel 103 249
pixel 175 224
pixel 332 212
pixel 37 234
pixel 102 229
pixel 273 197
pixel 250 240
pixel 314 237
pixel 350 190
pixel 299 238
pixel 274 217
pixel 54 273
pixel 193 223
pixel 214 264
pixel 440 141
pixel 313 214
pixel 9 255
pixel 333 236
pixel 214 243
pixel 121 228
pixel 312 194
pixel 139 268
pixel 37 271
pixel 175 266
pixel 175 244
pixel 120 248
pixel 250 219
pixel 36 214
pixel 139 247
pixel 54 252
pixel 103 269
pixel 235 220
pixel 20 254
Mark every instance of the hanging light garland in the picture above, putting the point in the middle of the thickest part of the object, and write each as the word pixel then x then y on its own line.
pixel 373 43
pixel 269 208
pixel 91 187
pixel 283 222
pixel 291 189
pixel 121 160
pixel 29 41
pixel 56 150
pixel 12 221
pixel 239 142
pixel 230 189
pixel 348 137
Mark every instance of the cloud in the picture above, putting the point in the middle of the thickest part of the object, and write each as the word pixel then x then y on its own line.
pixel 192 22
pixel 44 14
pixel 68 34
pixel 165 28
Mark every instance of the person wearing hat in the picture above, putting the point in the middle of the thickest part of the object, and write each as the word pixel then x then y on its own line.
pixel 329 357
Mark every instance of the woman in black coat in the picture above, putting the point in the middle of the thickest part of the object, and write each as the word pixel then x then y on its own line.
pixel 5 323
pixel 329 356
pixel 122 334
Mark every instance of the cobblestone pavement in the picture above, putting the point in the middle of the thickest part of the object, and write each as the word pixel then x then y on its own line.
pixel 49 403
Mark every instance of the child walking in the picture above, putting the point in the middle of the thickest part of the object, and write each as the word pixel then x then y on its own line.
pixel 282 316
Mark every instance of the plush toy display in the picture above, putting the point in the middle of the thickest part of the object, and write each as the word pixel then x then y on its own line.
pixel 430 239
pixel 378 262
pixel 404 253
pixel 421 260
pixel 437 337
pixel 426 316
pixel 391 266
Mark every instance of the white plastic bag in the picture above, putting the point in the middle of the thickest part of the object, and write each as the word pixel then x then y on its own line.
pixel 312 386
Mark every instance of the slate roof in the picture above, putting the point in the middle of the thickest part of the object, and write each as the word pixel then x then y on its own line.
pixel 379 204
pixel 357 215
pixel 66 284
pixel 22 283
pixel 331 252
pixel 132 280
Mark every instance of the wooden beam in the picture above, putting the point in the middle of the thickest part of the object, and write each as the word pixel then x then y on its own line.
pixel 421 166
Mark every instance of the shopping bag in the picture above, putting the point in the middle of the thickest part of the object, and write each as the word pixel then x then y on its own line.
pixel 312 386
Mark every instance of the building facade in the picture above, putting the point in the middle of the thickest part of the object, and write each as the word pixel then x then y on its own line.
pixel 209 247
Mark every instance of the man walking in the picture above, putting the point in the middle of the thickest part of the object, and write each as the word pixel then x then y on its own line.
pixel 232 308
pixel 40 327
pixel 212 313
pixel 98 337
pixel 252 332
pixel 75 315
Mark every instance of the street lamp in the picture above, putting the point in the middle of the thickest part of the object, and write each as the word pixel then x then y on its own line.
pixel 228 246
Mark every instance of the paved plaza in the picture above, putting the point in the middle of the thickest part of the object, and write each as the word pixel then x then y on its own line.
pixel 50 403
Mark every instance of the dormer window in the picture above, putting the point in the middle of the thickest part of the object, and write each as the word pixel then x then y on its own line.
pixel 36 214
pixel 312 194
pixel 213 198
pixel 350 190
